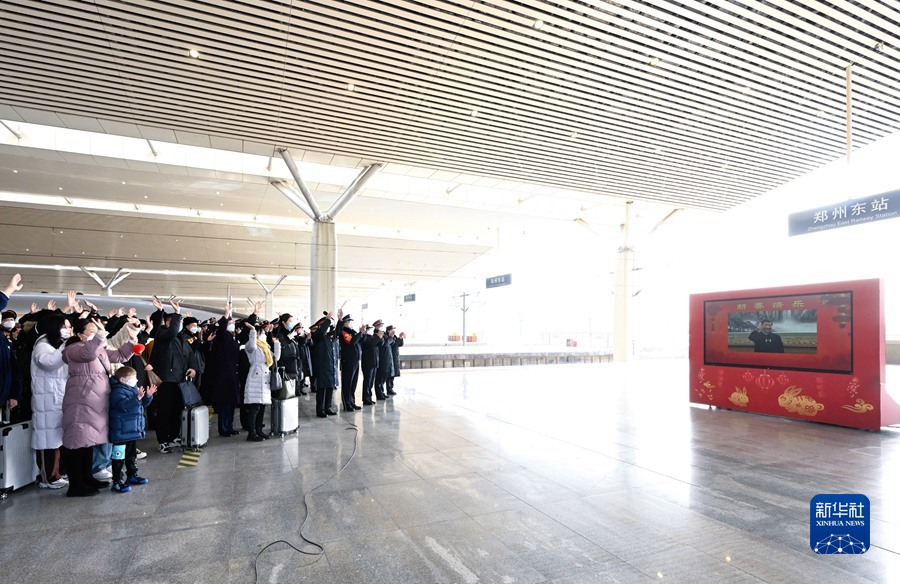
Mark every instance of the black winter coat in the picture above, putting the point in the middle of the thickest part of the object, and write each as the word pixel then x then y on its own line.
pixel 351 349
pixel 370 345
pixel 325 353
pixel 170 353
pixel 386 358
pixel 222 375
pixel 290 354
pixel 395 351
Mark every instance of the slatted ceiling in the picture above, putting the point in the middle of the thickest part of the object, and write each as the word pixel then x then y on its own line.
pixel 424 66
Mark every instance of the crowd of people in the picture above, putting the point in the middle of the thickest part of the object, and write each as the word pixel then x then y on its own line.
pixel 92 383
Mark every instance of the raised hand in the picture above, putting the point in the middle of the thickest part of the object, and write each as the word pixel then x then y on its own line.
pixel 15 284
pixel 175 306
pixel 70 299
pixel 149 324
pixel 157 303
pixel 111 313
pixel 227 310
pixel 90 304
pixel 257 306
pixel 189 313
pixel 34 307
pixel 51 305
pixel 132 312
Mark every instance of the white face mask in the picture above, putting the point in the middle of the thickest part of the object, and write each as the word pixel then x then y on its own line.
pixel 230 327
pixel 9 324
pixel 193 330
pixel 65 333
pixel 130 381
pixel 89 337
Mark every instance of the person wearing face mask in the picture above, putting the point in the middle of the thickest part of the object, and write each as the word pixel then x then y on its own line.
pixel 191 337
pixel 223 374
pixel 126 426
pixel 8 322
pixel 48 386
pixel 10 378
pixel 257 389
pixel 289 363
pixel 85 406
pixel 171 360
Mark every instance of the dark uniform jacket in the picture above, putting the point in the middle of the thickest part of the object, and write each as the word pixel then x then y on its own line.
pixel 325 353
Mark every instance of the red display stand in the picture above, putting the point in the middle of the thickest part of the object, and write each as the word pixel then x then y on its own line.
pixel 827 363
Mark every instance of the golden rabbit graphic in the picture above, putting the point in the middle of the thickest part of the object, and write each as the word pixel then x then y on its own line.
pixel 739 397
pixel 792 401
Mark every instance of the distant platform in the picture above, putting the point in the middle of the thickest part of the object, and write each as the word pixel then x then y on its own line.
pixel 451 357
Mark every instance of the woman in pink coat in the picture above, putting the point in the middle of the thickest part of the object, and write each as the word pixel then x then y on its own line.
pixel 85 420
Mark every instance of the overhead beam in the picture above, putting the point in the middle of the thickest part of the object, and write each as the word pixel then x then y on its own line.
pixel 351 191
pixel 286 190
pixel 295 172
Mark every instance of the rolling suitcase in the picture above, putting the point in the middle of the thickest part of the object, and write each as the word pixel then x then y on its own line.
pixel 194 427
pixel 18 466
pixel 285 415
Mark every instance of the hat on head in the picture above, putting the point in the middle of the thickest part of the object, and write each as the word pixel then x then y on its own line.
pixel 347 318
pixel 389 328
pixel 9 314
pixel 319 323
pixel 378 323
pixel 189 321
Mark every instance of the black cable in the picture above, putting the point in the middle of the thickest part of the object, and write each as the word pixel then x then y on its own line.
pixel 321 549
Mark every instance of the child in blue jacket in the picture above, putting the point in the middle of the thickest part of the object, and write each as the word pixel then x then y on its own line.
pixel 126 426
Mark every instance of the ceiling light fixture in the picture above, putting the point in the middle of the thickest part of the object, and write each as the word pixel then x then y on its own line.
pixel 655 61
pixel 194 53
pixel 350 87
pixel 538 24
pixel 474 113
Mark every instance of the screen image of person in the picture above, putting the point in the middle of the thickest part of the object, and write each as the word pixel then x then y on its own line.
pixel 764 340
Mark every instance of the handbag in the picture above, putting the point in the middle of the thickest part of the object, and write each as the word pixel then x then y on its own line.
pixel 189 393
pixel 276 383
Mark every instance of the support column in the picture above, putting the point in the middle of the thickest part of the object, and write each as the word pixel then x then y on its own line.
pixel 107 288
pixel 323 270
pixel 269 302
pixel 622 348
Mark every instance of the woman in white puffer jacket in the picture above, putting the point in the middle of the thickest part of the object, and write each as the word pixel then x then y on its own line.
pixel 48 386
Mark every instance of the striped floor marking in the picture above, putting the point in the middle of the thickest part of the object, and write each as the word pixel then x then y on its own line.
pixel 189 458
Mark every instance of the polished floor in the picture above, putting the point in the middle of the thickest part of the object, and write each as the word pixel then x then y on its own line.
pixel 564 474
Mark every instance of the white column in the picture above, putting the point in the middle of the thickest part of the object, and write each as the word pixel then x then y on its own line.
pixel 622 348
pixel 323 270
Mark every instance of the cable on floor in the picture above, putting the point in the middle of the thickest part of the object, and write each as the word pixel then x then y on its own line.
pixel 321 550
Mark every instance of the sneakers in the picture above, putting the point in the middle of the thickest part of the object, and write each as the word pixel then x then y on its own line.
pixel 103 474
pixel 177 441
pixel 120 488
pixel 140 454
pixel 137 480
pixel 167 447
pixel 57 484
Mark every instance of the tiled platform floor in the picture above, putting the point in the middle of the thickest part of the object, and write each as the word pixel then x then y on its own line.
pixel 569 474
